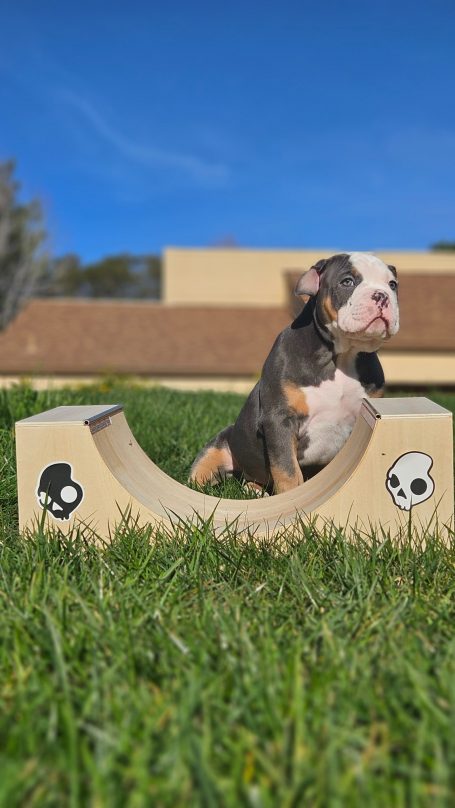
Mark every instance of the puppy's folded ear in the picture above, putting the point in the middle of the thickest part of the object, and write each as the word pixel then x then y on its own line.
pixel 309 283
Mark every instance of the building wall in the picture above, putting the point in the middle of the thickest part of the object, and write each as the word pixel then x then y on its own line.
pixel 235 277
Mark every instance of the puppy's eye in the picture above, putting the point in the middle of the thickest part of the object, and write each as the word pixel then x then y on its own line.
pixel 347 282
pixel 393 285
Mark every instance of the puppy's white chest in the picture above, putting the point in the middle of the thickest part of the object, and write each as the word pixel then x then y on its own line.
pixel 333 407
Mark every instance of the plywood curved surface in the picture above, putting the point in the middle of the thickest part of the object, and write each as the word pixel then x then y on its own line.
pixel 159 493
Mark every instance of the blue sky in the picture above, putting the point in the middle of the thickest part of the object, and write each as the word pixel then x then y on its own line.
pixel 291 124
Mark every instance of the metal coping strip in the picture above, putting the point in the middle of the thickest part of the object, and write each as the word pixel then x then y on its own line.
pixel 369 412
pixel 102 416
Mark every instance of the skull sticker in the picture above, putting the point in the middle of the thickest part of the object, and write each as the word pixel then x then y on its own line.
pixel 57 492
pixel 408 480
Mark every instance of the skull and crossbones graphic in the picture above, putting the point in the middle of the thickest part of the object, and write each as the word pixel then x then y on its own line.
pixel 408 481
pixel 57 492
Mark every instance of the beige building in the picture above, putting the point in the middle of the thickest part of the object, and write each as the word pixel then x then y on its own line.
pixel 234 277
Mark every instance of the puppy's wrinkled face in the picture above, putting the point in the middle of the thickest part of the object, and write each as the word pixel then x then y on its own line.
pixel 356 299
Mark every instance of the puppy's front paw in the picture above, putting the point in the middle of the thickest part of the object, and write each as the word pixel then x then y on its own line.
pixel 255 488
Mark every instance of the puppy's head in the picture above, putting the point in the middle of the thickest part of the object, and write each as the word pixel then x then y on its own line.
pixel 356 299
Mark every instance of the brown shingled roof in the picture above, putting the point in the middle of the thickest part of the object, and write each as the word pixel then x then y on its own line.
pixel 60 336
pixel 88 337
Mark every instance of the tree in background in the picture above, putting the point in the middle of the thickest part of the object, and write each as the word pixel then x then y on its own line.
pixel 25 270
pixel 110 277
pixel 443 246
pixel 116 276
pixel 22 261
pixel 61 277
pixel 151 279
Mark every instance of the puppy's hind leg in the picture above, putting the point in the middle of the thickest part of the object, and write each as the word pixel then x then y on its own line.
pixel 214 462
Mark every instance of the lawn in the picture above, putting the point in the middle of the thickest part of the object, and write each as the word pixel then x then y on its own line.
pixel 170 669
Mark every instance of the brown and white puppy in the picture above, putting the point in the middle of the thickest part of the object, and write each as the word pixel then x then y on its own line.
pixel 302 410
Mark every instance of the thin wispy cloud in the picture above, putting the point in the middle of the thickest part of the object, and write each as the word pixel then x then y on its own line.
pixel 147 156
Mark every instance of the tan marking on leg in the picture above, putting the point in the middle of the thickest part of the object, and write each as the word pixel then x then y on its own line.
pixel 211 466
pixel 296 398
pixel 379 393
pixel 282 481
pixel 331 312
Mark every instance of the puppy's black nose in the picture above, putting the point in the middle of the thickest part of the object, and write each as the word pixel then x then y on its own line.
pixel 381 298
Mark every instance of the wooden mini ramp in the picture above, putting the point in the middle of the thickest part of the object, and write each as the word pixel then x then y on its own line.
pixel 83 466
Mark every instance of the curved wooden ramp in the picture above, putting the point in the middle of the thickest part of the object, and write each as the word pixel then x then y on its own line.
pixel 82 465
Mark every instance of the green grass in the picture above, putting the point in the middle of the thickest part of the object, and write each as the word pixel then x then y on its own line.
pixel 171 669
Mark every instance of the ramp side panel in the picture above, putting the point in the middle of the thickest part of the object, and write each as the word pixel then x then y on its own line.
pixel 365 496
pixel 104 499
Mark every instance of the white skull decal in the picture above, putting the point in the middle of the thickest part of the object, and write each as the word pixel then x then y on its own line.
pixel 408 480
